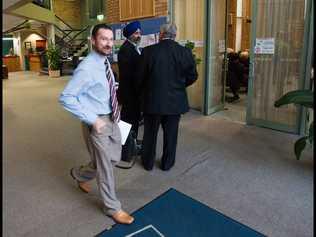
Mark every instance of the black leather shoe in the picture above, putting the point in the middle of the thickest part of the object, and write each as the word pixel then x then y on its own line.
pixel 147 167
pixel 233 99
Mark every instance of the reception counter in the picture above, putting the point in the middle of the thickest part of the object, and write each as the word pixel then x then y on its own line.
pixel 12 63
pixel 34 62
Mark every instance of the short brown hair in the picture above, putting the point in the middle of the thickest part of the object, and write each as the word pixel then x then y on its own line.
pixel 97 27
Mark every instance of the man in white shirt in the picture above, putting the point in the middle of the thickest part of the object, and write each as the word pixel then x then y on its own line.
pixel 91 96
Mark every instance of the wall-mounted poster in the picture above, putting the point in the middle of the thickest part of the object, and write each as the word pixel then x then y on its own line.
pixel 118 34
pixel 264 46
pixel 149 40
pixel 150 33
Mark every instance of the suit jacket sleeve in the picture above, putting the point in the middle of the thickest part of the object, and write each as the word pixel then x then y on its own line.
pixel 191 74
pixel 143 74
pixel 124 63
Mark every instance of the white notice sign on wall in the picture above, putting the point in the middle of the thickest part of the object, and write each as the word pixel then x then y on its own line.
pixel 221 46
pixel 264 46
pixel 118 34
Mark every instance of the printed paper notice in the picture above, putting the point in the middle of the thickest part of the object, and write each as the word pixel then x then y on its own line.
pixel 148 40
pixel 221 46
pixel 124 128
pixel 264 46
pixel 118 34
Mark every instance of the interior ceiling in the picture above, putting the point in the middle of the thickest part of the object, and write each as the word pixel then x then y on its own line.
pixel 8 3
pixel 10 21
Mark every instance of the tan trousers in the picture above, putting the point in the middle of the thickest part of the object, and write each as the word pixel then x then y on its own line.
pixel 105 151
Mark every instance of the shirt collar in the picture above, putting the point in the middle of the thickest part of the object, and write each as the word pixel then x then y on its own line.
pixel 99 57
pixel 132 42
pixel 166 38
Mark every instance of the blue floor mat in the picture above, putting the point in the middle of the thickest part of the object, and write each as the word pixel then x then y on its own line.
pixel 174 214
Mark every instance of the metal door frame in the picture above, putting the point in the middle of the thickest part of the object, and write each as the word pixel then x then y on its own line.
pixel 207 71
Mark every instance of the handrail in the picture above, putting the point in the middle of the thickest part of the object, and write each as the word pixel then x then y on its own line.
pixel 67 33
pixel 63 21
pixel 83 41
pixel 68 39
pixel 61 42
pixel 80 32
pixel 64 33
pixel 13 30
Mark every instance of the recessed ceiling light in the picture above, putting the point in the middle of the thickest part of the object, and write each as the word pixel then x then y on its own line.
pixel 100 17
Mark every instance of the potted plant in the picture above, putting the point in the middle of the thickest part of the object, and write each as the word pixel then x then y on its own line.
pixel 54 64
pixel 304 98
pixel 191 45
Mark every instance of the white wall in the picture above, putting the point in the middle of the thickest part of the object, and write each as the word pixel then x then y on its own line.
pixel 32 38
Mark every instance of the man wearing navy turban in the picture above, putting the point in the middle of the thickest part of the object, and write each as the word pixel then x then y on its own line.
pixel 129 57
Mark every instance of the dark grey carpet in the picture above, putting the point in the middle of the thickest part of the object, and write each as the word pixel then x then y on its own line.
pixel 247 173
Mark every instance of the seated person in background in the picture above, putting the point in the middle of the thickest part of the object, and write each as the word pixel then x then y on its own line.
pixel 230 50
pixel 244 60
pixel 234 75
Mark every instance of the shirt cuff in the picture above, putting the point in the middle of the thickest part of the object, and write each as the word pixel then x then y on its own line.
pixel 91 118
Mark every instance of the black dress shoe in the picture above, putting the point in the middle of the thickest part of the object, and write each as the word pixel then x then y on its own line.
pixel 165 168
pixel 233 99
pixel 147 167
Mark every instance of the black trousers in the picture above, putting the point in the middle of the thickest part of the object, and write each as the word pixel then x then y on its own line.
pixel 130 115
pixel 233 82
pixel 170 125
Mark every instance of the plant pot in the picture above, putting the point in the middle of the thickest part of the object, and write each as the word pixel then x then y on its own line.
pixel 54 73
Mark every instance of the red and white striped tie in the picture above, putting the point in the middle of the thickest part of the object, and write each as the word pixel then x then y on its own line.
pixel 114 102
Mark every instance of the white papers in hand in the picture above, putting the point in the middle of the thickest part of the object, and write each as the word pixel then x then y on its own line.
pixel 124 128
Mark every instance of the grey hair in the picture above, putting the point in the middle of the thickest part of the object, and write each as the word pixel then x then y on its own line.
pixel 168 30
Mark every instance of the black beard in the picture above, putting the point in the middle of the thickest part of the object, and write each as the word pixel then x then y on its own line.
pixel 136 40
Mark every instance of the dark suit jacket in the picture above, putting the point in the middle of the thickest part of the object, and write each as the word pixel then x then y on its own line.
pixel 167 69
pixel 128 62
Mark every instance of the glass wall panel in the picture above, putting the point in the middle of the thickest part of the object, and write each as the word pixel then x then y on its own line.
pixel 189 17
pixel 276 74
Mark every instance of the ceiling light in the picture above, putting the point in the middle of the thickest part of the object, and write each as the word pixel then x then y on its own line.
pixel 100 17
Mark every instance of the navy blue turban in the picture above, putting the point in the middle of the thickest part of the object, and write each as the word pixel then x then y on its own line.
pixel 131 28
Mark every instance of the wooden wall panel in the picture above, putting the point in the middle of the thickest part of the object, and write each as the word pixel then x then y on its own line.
pixel 137 8
pixel 125 8
pixel 148 8
pixel 232 12
pixel 159 7
pixel 134 9
pixel 246 25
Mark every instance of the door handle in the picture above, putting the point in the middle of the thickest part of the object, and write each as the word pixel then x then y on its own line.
pixel 230 19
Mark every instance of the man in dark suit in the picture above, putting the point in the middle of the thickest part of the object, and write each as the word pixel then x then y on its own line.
pixel 234 75
pixel 128 93
pixel 167 69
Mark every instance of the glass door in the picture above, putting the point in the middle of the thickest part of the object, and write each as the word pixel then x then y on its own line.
pixel 278 61
pixel 216 62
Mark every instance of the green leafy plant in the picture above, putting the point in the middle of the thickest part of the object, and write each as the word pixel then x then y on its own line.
pixel 191 45
pixel 54 55
pixel 306 99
